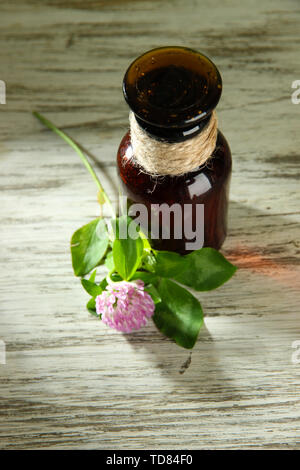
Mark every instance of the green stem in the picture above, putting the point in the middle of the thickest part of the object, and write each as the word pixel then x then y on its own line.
pixel 71 142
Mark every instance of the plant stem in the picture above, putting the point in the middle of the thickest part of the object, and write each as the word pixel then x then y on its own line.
pixel 85 161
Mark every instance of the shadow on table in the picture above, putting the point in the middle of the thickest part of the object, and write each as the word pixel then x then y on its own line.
pixel 265 248
pixel 195 372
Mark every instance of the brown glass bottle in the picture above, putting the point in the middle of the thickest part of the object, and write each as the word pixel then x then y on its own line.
pixel 172 92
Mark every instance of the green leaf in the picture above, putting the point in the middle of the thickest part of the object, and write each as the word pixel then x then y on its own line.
pixel 206 269
pixel 91 306
pixel 147 278
pixel 116 277
pixel 149 262
pixel 179 315
pixel 120 226
pixel 127 252
pixel 153 292
pixel 169 264
pixel 109 261
pixel 93 276
pixel 146 243
pixel 88 246
pixel 91 288
pixel 103 283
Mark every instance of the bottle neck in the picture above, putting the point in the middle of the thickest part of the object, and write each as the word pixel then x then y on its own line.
pixel 157 157
pixel 173 135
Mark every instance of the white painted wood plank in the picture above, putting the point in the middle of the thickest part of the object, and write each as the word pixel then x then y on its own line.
pixel 69 381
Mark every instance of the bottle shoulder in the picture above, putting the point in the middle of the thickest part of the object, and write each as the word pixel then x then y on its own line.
pixel 195 183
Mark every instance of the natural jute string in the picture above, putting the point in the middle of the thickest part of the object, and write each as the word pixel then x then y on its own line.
pixel 163 158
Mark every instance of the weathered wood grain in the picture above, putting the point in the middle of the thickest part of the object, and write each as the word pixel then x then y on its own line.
pixel 69 382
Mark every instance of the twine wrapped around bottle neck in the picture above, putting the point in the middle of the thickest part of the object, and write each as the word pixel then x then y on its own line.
pixel 162 158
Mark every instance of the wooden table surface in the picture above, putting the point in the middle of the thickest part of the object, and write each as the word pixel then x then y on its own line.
pixel 70 382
